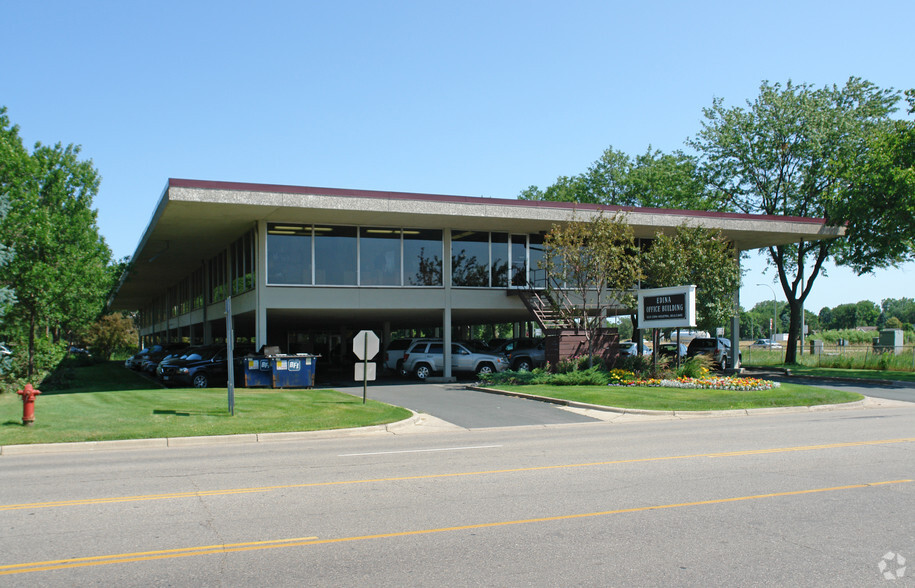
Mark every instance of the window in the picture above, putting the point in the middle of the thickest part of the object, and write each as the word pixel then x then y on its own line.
pixel 288 254
pixel 422 257
pixel 499 265
pixel 379 257
pixel 335 255
pixel 469 258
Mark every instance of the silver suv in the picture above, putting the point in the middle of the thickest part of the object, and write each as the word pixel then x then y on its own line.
pixel 426 357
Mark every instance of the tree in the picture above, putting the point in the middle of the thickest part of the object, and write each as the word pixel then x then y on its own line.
pixel 654 179
pixel 791 152
pixel 59 270
pixel 879 177
pixel 699 256
pixel 593 265
pixel 111 333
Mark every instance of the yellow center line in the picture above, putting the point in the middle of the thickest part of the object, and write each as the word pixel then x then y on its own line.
pixel 43 566
pixel 230 491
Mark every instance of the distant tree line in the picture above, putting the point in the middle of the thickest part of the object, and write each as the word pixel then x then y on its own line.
pixel 892 313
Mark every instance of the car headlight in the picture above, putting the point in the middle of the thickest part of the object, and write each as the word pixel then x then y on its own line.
pixel 183 371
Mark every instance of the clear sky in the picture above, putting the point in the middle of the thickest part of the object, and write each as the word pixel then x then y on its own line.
pixel 473 98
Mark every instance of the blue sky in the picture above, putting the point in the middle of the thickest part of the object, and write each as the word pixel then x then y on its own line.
pixel 475 98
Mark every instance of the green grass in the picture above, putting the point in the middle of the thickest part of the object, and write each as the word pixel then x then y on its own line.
pixel 689 399
pixel 110 402
pixel 864 374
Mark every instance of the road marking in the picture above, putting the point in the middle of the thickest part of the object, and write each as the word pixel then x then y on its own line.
pixel 419 450
pixel 60 564
pixel 230 491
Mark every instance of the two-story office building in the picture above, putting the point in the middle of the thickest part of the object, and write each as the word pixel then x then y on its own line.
pixel 306 267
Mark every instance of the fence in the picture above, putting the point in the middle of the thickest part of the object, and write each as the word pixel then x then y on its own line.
pixel 836 356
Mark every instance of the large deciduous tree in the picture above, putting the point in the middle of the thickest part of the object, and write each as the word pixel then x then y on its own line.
pixel 59 269
pixel 796 150
pixel 591 266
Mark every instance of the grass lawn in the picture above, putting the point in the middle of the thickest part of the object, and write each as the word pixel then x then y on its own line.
pixel 111 402
pixel 802 370
pixel 689 399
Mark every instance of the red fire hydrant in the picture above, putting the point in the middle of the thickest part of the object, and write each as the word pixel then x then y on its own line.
pixel 28 404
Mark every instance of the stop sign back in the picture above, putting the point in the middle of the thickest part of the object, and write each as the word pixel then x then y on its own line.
pixel 365 345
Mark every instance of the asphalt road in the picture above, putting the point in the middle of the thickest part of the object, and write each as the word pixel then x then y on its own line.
pixel 817 498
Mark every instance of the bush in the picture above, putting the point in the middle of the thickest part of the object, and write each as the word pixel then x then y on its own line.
pixel 695 367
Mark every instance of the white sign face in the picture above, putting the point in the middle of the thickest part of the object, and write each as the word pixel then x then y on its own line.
pixel 666 308
pixel 365 345
pixel 361 375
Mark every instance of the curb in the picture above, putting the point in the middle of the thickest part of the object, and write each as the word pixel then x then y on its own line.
pixel 208 440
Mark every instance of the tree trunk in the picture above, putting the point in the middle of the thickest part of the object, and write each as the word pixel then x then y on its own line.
pixel 31 366
pixel 794 330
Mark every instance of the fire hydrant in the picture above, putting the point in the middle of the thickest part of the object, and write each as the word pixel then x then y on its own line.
pixel 28 404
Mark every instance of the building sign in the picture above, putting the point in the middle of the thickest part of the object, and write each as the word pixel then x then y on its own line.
pixel 667 308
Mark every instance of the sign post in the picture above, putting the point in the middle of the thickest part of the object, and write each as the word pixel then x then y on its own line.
pixel 230 341
pixel 365 346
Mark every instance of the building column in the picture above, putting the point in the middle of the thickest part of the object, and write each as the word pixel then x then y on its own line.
pixel 735 320
pixel 446 314
pixel 260 284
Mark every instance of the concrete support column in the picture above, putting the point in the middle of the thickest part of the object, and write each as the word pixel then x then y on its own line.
pixel 446 314
pixel 735 320
pixel 260 284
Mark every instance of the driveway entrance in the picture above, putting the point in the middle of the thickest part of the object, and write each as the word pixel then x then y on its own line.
pixel 470 409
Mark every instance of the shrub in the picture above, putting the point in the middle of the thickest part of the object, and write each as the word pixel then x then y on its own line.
pixel 695 367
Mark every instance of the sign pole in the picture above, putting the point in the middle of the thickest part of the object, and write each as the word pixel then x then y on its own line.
pixel 365 366
pixel 230 338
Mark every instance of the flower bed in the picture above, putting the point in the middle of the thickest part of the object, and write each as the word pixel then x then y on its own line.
pixel 623 378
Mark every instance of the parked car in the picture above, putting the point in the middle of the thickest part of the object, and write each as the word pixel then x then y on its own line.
pixel 149 363
pixel 629 348
pixel 134 361
pixel 765 344
pixel 393 355
pixel 201 367
pixel 426 357
pixel 671 350
pixel 717 348
pixel 506 346
pixel 522 359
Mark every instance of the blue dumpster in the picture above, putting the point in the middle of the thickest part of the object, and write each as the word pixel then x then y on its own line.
pixel 294 371
pixel 281 371
pixel 258 372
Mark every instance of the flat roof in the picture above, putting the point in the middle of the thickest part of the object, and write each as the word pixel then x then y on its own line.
pixel 196 219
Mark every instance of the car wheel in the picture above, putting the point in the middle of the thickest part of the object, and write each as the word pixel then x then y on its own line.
pixel 485 368
pixel 400 371
pixel 523 365
pixel 201 380
pixel 422 371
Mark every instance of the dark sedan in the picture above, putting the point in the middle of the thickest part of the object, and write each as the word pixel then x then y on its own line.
pixel 200 367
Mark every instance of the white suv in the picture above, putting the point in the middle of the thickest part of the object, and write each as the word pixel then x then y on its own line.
pixel 426 357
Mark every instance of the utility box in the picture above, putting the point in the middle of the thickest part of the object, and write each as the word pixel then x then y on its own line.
pixel 890 341
pixel 816 346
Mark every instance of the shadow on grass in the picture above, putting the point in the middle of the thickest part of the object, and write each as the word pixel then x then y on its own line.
pixel 13 424
pixel 187 414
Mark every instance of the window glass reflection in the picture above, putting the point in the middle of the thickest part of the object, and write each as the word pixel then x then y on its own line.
pixel 379 256
pixel 470 258
pixel 335 255
pixel 499 267
pixel 288 254
pixel 422 257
